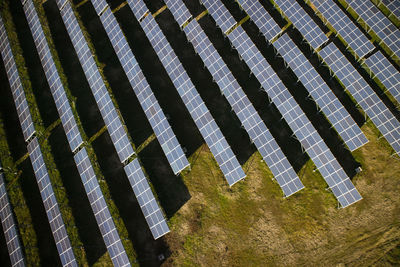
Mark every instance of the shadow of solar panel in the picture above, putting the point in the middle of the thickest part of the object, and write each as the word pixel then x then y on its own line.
pixel 100 210
pixel 386 73
pixel 321 93
pixel 9 227
pixel 202 117
pixel 373 106
pixel 53 213
pixel 147 202
pixel 53 78
pixel 248 116
pixel 103 100
pixel 14 80
pixel 224 20
pixel 303 22
pixel 257 13
pixel 158 121
pixel 353 36
pixel 311 141
pixel 379 23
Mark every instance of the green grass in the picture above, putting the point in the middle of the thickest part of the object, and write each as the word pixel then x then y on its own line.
pixel 251 224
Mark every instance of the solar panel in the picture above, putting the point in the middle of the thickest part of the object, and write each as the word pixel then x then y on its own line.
pixel 322 94
pixel 386 73
pixel 373 106
pixel 378 22
pixel 61 3
pixel 53 78
pixel 107 109
pixel 303 22
pixel 21 104
pixel 158 121
pixel 393 6
pixel 100 210
pixel 202 117
pixel 179 11
pixel 248 116
pixel 311 141
pixel 353 36
pixel 147 202
pixel 10 228
pixel 138 8
pixel 99 5
pixel 224 20
pixel 54 217
pixel 257 13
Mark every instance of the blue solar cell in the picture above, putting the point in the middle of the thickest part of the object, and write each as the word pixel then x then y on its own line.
pixel 147 202
pixel 139 8
pixel 373 106
pixel 179 11
pixel 224 20
pixel 393 6
pixel 322 94
pixel 107 109
pixel 385 72
pixel 53 79
pixel 100 210
pixel 358 42
pixel 379 23
pixel 248 116
pixel 50 203
pixel 303 22
pixel 161 127
pixel 10 228
pixel 208 128
pixel 313 144
pixel 267 25
pixel 21 104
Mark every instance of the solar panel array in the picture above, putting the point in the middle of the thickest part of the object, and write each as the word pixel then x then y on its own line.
pixel 23 112
pixel 378 22
pixel 103 100
pixel 353 36
pixel 224 20
pixel 53 213
pixel 393 6
pixel 313 144
pixel 385 72
pixel 99 5
pixel 257 13
pixel 206 124
pixel 248 116
pixel 53 78
pixel 380 115
pixel 150 208
pixel 178 10
pixel 10 228
pixel 100 210
pixel 158 121
pixel 303 22
pixel 322 94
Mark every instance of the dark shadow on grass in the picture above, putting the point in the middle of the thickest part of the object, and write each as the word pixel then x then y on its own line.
pixel 37 77
pixel 47 248
pixel 85 103
pixel 88 230
pixel 145 246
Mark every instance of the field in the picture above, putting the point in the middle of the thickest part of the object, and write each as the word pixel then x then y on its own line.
pixel 212 224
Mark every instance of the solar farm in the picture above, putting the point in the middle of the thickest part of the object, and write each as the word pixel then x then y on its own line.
pixel 200 133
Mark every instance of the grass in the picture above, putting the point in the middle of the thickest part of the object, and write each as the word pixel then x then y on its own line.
pixel 252 224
